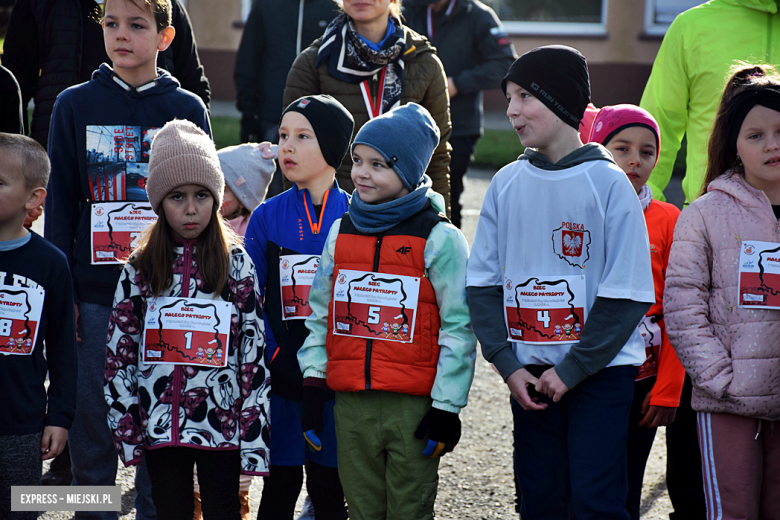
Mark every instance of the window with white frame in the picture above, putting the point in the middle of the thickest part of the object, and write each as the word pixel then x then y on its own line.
pixel 659 14
pixel 552 16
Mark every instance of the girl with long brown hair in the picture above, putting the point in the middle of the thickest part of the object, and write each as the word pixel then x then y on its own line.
pixel 722 300
pixel 185 362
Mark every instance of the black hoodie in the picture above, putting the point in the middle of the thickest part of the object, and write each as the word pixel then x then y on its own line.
pixel 100 136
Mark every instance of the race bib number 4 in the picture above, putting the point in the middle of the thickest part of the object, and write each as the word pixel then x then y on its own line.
pixel 375 305
pixel 544 310
pixel 296 274
pixel 115 228
pixel 186 331
pixel 20 314
pixel 759 275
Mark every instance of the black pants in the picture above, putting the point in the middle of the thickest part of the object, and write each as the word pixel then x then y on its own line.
pixel 462 150
pixel 281 490
pixel 640 442
pixel 683 462
pixel 171 470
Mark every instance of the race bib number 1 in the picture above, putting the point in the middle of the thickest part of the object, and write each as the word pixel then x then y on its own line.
pixel 186 331
pixel 375 305
pixel 544 310
pixel 296 274
pixel 115 228
pixel 20 314
pixel 759 275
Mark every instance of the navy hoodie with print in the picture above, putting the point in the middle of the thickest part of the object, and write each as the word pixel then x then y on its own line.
pixel 99 142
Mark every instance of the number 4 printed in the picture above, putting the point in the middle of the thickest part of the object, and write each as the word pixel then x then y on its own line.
pixel 543 317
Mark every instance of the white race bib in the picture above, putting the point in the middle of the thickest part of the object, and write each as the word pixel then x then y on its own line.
pixel 759 275
pixel 296 274
pixel 651 333
pixel 20 315
pixel 544 310
pixel 186 331
pixel 375 305
pixel 115 227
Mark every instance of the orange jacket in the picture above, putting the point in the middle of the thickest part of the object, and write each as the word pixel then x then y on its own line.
pixel 661 218
pixel 356 364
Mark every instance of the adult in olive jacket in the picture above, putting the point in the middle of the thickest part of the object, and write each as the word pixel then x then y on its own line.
pixel 368 76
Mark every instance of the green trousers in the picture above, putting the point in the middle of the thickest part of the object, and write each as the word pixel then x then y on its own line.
pixel 382 468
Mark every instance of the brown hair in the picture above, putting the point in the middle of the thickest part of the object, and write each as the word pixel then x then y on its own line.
pixel 722 157
pixel 32 158
pixel 395 7
pixel 161 10
pixel 155 254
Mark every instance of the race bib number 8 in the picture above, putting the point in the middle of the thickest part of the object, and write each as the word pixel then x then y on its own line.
pixel 20 314
pixel 296 274
pixel 186 331
pixel 759 275
pixel 544 310
pixel 375 305
pixel 115 228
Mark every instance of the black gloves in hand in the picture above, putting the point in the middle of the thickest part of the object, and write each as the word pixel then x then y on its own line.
pixel 443 429
pixel 314 398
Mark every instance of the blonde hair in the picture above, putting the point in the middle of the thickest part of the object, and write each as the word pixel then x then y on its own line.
pixel 34 161
pixel 395 7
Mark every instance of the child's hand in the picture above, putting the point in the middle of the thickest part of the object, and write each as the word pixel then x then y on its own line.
pixel 518 383
pixel 551 385
pixel 655 416
pixel 53 441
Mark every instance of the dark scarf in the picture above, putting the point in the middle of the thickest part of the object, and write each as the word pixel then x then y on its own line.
pixel 377 218
pixel 352 61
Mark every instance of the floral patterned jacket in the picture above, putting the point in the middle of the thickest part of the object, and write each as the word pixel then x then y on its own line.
pixel 155 405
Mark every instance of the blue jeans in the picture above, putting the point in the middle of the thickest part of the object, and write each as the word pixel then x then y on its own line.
pixel 92 452
pixel 570 458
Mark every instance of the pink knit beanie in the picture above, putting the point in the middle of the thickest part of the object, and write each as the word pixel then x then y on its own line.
pixel 182 154
pixel 612 119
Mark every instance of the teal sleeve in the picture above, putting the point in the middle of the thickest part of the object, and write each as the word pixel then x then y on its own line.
pixel 446 256
pixel 312 357
pixel 666 97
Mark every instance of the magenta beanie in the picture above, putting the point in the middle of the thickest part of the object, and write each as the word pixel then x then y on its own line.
pixel 182 154
pixel 612 119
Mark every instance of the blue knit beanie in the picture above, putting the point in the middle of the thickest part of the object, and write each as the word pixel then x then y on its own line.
pixel 406 138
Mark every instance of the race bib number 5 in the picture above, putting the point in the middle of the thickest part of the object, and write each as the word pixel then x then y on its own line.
pixel 20 314
pixel 375 305
pixel 186 331
pixel 544 310
pixel 759 275
pixel 296 274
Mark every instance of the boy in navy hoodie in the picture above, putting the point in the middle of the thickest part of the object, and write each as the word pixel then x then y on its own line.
pixel 101 133
pixel 285 238
pixel 37 300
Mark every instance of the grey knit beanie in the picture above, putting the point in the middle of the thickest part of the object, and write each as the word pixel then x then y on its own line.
pixel 247 174
pixel 182 154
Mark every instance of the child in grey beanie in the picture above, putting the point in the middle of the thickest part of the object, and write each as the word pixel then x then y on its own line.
pixel 247 176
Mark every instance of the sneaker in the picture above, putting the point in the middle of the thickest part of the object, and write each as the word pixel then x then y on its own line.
pixel 307 513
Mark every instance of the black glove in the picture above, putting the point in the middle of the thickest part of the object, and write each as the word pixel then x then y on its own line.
pixel 314 397
pixel 443 429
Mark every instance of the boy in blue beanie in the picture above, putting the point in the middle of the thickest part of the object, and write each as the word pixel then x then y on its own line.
pixel 389 329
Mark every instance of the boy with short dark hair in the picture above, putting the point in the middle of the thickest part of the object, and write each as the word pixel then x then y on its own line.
pixel 561 251
pixel 36 304
pixel 99 143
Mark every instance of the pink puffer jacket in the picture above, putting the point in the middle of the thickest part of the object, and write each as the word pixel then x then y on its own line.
pixel 732 354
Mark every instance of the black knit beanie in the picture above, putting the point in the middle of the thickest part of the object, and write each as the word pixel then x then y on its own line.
pixel 331 122
pixel 557 76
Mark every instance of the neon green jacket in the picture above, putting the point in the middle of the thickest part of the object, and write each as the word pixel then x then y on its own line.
pixel 690 72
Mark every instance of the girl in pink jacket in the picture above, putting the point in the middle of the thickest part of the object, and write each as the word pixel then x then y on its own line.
pixel 722 301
